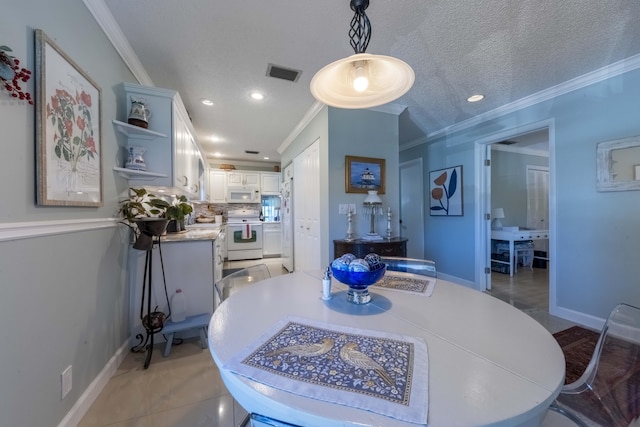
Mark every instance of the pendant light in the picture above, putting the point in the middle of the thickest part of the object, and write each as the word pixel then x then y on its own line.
pixel 362 80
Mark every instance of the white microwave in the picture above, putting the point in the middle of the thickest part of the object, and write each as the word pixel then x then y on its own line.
pixel 243 195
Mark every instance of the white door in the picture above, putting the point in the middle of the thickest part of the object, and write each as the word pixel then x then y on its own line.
pixel 287 219
pixel 306 209
pixel 412 207
pixel 538 202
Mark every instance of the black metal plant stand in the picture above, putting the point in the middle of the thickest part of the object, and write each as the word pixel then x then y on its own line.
pixel 152 321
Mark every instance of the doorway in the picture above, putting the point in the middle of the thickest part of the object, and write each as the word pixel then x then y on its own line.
pixel 535 144
pixel 412 207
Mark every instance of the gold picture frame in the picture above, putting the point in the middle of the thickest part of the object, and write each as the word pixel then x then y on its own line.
pixel 68 130
pixel 363 174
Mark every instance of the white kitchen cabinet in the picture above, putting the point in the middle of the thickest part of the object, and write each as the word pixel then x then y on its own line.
pixel 270 183
pixel 217 191
pixel 172 154
pixel 271 239
pixel 246 180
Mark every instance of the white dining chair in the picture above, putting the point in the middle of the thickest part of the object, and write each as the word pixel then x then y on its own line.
pixel 229 284
pixel 422 267
pixel 608 392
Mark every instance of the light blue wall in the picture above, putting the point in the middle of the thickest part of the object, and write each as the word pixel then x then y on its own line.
pixel 597 234
pixel 362 133
pixel 509 184
pixel 64 296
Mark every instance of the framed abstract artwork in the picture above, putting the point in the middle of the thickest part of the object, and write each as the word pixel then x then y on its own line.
pixel 445 188
pixel 363 174
pixel 68 134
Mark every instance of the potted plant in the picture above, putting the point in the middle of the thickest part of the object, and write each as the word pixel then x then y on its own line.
pixel 176 213
pixel 145 214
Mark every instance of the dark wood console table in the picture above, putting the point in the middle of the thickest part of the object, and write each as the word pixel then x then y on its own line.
pixel 396 246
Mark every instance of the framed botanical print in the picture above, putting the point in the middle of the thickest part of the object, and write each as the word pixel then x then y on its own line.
pixel 68 133
pixel 445 188
pixel 363 174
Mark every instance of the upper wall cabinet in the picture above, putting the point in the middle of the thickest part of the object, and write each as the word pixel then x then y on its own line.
pixel 171 153
pixel 270 183
pixel 246 180
pixel 217 191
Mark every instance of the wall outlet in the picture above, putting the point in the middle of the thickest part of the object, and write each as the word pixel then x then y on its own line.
pixel 66 380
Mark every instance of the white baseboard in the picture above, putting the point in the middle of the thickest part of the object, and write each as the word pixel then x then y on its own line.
pixel 457 280
pixel 577 317
pixel 82 405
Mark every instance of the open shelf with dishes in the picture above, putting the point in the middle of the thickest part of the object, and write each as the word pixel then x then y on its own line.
pixel 138 174
pixel 140 133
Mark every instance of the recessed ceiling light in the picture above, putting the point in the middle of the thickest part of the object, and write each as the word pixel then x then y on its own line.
pixel 217 154
pixel 215 138
pixel 266 157
pixel 206 101
pixel 475 98
pixel 257 96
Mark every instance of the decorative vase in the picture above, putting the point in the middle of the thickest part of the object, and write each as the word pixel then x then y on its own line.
pixel 135 159
pixel 139 114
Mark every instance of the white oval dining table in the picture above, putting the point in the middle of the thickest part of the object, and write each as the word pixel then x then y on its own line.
pixel 488 362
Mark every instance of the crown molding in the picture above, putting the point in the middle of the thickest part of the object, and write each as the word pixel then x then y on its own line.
pixel 604 73
pixel 105 19
pixel 308 117
pixel 414 143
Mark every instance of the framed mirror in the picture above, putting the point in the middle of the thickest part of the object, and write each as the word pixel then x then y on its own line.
pixel 618 164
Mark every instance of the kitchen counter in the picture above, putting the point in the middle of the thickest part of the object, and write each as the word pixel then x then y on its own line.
pixel 192 234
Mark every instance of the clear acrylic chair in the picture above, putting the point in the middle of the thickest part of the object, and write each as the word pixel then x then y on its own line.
pixel 422 267
pixel 608 392
pixel 226 286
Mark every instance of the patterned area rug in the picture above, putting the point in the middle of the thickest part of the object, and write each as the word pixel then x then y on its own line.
pixel 577 344
pixel 615 400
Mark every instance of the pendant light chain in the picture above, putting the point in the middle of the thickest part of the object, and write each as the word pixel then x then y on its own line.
pixel 360 32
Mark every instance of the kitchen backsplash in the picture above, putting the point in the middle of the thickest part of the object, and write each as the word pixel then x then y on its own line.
pixel 211 209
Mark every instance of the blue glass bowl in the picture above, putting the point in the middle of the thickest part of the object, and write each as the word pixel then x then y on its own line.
pixel 359 279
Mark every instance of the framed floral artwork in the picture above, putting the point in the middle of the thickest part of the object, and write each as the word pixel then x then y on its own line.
pixel 445 186
pixel 68 130
pixel 363 174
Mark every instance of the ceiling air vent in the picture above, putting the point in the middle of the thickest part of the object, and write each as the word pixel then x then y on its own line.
pixel 251 152
pixel 283 73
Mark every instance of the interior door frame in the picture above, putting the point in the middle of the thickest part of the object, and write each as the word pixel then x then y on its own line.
pixel 419 228
pixel 483 206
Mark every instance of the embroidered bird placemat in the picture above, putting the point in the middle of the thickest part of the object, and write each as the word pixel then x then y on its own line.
pixel 375 371
pixel 407 282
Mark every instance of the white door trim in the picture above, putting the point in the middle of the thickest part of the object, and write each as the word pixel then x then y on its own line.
pixel 483 204
pixel 418 228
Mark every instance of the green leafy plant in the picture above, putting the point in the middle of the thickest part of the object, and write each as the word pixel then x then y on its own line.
pixel 142 204
pixel 178 209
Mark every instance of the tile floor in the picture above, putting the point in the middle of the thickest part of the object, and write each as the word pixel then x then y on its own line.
pixel 185 389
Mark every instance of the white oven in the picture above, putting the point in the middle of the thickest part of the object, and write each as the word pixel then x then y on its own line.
pixel 244 234
pixel 243 195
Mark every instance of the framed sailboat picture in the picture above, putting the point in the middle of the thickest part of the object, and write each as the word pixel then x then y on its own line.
pixel 363 174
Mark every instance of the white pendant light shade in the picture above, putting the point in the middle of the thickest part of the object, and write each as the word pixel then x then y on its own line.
pixel 388 79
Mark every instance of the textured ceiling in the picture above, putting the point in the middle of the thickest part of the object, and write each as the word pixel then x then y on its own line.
pixel 504 49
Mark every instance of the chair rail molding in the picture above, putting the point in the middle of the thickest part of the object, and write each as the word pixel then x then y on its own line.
pixel 26 230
